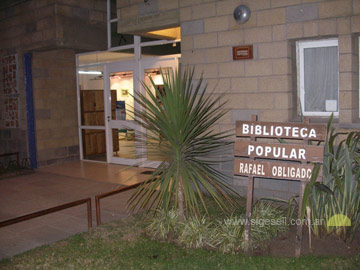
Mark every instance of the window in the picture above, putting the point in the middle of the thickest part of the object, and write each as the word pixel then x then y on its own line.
pixel 318 77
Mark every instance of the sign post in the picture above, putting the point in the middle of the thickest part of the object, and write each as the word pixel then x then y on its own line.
pixel 291 160
pixel 249 198
pixel 299 228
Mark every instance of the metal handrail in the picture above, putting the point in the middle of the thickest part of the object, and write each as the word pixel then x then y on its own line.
pixel 72 204
pixel 50 211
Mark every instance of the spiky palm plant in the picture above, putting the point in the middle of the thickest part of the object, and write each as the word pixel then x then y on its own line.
pixel 180 130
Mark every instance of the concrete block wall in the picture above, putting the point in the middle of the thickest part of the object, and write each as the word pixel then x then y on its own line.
pixel 138 16
pixel 267 84
pixel 53 30
pixel 37 24
pixel 28 25
pixel 23 27
pixel 55 105
pixel 81 25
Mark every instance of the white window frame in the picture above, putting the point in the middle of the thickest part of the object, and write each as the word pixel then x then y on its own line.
pixel 300 46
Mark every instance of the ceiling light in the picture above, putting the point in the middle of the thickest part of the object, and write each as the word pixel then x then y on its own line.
pixel 158 80
pixel 90 72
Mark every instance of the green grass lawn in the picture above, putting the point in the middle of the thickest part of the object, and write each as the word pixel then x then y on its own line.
pixel 121 245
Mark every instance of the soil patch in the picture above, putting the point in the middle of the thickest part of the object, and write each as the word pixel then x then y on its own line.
pixel 284 246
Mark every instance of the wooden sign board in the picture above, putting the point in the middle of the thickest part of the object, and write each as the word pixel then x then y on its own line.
pixel 279 151
pixel 273 170
pixel 277 160
pixel 298 131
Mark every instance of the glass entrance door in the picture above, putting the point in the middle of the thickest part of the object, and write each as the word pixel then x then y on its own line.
pixel 121 84
pixel 91 113
pixel 151 69
pixel 121 129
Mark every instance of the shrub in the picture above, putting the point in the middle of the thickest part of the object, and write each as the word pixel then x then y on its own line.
pixel 288 207
pixel 229 234
pixel 196 232
pixel 267 221
pixel 163 225
pixel 226 235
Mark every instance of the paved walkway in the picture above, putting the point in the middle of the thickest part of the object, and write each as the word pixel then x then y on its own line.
pixel 56 185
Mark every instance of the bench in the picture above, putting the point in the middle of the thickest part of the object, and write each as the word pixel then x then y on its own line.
pixel 12 154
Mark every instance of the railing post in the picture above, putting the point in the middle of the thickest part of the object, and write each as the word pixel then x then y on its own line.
pixel 98 213
pixel 107 194
pixel 18 159
pixel 89 212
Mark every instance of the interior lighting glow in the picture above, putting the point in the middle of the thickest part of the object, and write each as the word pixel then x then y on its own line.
pixel 90 72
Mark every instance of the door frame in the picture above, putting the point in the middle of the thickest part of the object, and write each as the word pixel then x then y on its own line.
pixel 138 68
pixel 82 127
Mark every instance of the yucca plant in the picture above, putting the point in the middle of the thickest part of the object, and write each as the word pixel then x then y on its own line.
pixel 180 123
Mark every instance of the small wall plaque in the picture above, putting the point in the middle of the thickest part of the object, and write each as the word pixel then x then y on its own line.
pixel 243 52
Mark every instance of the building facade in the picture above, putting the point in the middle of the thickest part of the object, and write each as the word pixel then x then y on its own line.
pixel 271 85
pixel 305 62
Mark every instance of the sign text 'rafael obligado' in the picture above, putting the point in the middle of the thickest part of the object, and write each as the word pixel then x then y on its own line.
pixel 273 160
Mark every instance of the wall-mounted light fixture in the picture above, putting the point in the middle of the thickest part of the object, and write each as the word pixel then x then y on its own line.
pixel 242 14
